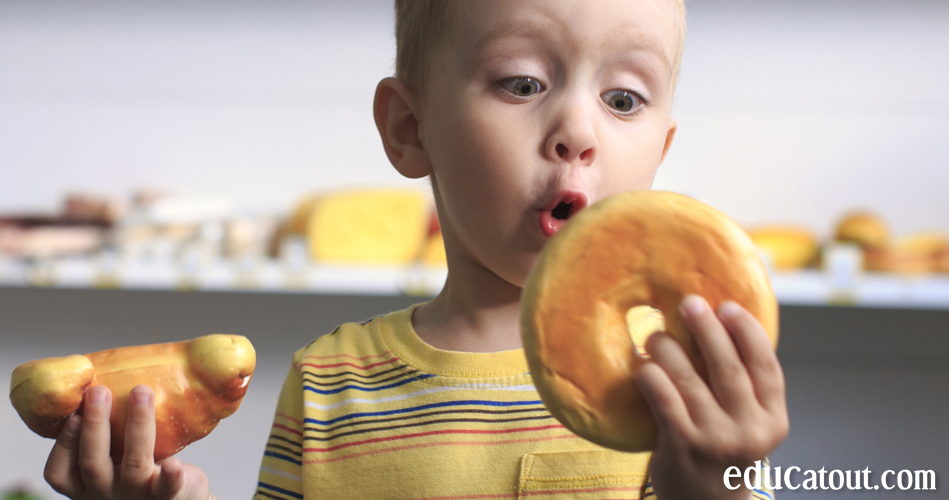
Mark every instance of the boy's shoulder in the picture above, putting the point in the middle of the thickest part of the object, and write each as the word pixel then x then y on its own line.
pixel 354 341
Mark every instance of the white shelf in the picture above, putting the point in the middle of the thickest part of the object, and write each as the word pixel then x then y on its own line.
pixel 816 288
pixel 808 287
pixel 223 275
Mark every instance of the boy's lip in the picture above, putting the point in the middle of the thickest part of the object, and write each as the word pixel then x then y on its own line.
pixel 549 222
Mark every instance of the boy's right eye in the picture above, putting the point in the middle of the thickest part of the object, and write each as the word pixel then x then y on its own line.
pixel 521 86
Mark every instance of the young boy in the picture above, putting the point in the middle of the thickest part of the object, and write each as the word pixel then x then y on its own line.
pixel 512 108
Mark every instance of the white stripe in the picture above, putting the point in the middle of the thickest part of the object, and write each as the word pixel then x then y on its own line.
pixel 423 392
pixel 278 472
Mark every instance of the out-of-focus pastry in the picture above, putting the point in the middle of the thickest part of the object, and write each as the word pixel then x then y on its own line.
pixel 433 249
pixel 914 254
pixel 369 226
pixel 863 228
pixel 787 247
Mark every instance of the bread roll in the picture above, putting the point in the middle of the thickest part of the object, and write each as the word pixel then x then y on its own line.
pixel 197 383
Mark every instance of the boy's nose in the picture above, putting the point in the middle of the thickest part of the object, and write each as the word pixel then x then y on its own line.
pixel 574 140
pixel 586 155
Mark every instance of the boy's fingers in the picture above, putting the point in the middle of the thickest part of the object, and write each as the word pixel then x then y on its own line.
pixel 95 464
pixel 759 357
pixel 664 400
pixel 668 355
pixel 62 467
pixel 181 482
pixel 727 375
pixel 170 480
pixel 138 459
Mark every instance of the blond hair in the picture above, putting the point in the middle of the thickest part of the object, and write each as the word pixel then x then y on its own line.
pixel 420 25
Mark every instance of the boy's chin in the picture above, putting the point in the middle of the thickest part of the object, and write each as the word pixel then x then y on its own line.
pixel 518 278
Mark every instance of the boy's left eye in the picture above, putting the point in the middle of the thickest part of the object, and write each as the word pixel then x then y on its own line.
pixel 622 101
pixel 521 86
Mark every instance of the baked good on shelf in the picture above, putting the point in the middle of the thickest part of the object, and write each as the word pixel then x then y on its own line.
pixel 916 253
pixel 866 229
pixel 788 247
pixel 371 226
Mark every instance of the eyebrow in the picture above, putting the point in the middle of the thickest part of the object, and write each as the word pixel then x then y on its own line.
pixel 526 28
pixel 518 29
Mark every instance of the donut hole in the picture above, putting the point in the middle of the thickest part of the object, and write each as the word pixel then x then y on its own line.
pixel 642 322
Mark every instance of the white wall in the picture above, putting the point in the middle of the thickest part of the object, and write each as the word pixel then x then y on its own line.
pixel 798 110
pixel 253 100
pixel 788 110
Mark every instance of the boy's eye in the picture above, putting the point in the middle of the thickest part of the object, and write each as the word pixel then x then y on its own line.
pixel 521 86
pixel 622 101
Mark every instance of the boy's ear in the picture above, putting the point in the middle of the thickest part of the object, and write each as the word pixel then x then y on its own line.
pixel 669 135
pixel 394 111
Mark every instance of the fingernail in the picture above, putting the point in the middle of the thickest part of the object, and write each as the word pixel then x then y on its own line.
pixel 96 395
pixel 693 305
pixel 728 309
pixel 140 397
pixel 72 425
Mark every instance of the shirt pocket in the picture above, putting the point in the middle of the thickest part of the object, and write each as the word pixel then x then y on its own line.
pixel 582 474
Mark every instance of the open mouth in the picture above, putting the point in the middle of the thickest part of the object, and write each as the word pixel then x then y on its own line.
pixel 556 215
pixel 562 211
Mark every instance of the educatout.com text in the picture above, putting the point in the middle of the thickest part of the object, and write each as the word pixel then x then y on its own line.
pixel 792 478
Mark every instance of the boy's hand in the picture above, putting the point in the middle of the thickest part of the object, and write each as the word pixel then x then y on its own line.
pixel 738 417
pixel 79 466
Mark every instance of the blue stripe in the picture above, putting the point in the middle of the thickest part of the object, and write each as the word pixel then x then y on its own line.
pixel 280 490
pixel 368 389
pixel 282 457
pixel 765 493
pixel 648 492
pixel 422 407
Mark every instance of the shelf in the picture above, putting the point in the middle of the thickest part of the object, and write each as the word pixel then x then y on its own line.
pixel 816 288
pixel 224 275
pixel 808 287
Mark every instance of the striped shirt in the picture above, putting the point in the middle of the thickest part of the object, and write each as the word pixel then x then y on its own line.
pixel 372 411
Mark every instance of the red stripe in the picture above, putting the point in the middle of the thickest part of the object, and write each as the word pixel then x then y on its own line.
pixel 431 433
pixel 462 497
pixel 288 417
pixel 348 356
pixel 580 490
pixel 337 365
pixel 528 493
pixel 441 443
pixel 288 429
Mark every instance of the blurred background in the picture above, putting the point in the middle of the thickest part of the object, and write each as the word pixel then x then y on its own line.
pixel 152 148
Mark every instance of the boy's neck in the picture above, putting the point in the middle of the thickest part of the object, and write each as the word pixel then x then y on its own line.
pixel 476 312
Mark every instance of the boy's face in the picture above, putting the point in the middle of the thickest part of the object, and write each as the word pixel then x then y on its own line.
pixel 535 109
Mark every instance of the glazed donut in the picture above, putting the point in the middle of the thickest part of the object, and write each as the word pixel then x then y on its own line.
pixel 197 383
pixel 641 248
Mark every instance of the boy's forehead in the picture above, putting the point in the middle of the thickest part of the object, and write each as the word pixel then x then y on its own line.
pixel 604 25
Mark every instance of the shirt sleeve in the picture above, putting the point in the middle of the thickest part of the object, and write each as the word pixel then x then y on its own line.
pixel 281 468
pixel 763 493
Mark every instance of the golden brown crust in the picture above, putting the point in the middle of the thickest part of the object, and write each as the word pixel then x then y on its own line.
pixel 941 261
pixel 912 254
pixel 51 389
pixel 638 248
pixel 789 247
pixel 197 383
pixel 863 228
